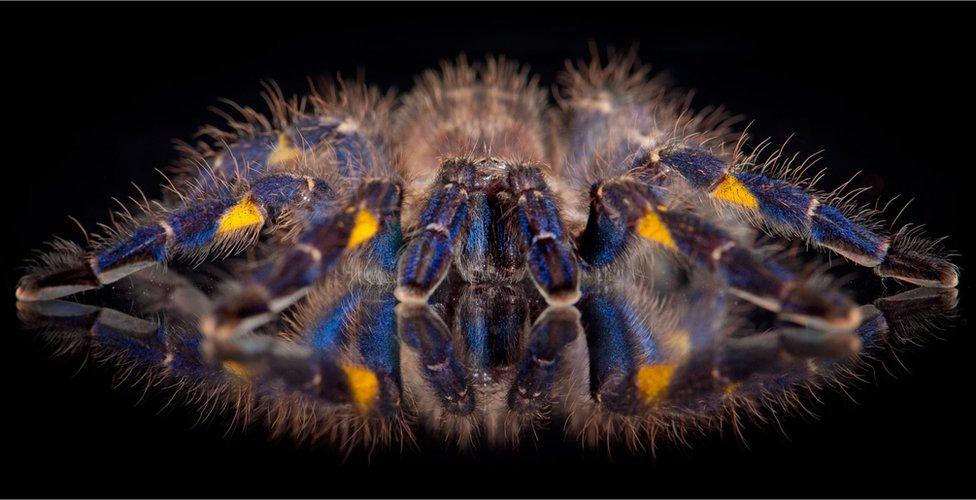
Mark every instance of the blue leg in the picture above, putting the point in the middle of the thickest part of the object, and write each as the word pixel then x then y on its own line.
pixel 253 157
pixel 550 257
pixel 620 343
pixel 197 228
pixel 791 210
pixel 348 353
pixel 428 256
pixel 555 329
pixel 623 209
pixel 443 370
pixel 287 276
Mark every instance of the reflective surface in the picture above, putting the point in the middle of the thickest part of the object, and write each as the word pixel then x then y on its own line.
pixel 483 364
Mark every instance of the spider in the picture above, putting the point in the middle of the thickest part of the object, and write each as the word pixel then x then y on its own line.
pixel 471 193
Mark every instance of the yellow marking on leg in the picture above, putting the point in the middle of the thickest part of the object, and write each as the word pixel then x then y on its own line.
pixel 651 226
pixel 365 227
pixel 244 214
pixel 363 384
pixel 732 388
pixel 733 190
pixel 653 381
pixel 237 369
pixel 284 151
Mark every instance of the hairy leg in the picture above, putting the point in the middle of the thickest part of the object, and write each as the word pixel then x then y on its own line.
pixel 367 217
pixel 200 226
pixel 623 209
pixel 789 209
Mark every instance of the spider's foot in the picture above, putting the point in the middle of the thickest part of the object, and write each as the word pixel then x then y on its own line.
pixel 554 271
pixel 919 269
pixel 84 319
pixel 423 266
pixel 412 294
pixel 238 313
pixel 442 369
pixel 56 283
pixel 821 310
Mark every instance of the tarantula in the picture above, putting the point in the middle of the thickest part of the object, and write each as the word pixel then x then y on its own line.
pixel 473 182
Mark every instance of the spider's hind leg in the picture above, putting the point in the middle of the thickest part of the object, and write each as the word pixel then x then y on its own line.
pixel 789 209
pixel 623 208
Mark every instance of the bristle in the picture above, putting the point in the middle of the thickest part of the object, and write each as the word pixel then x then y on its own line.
pixel 493 110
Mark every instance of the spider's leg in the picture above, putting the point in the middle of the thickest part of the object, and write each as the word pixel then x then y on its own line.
pixel 195 228
pixel 427 258
pixel 103 325
pixel 160 347
pixel 369 218
pixel 553 331
pixel 637 363
pixel 791 210
pixel 254 157
pixel 322 374
pixel 622 207
pixel 752 366
pixel 550 258
pixel 378 345
pixel 619 344
pixel 340 131
pixel 348 353
pixel 442 369
pixel 362 323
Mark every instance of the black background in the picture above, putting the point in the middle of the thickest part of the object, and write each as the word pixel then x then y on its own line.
pixel 95 92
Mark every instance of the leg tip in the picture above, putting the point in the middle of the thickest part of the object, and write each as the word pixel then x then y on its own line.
pixel 821 310
pixel 919 269
pixel 847 321
pixel 562 297
pixel 25 294
pixel 408 294
pixel 237 314
pixel 30 292
pixel 226 327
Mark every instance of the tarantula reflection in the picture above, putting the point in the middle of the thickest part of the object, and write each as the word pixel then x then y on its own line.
pixel 481 363
pixel 490 185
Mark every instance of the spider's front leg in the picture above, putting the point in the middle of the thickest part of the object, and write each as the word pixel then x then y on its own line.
pixel 444 221
pixel 623 208
pixel 793 211
pixel 549 256
pixel 369 219
pixel 197 227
